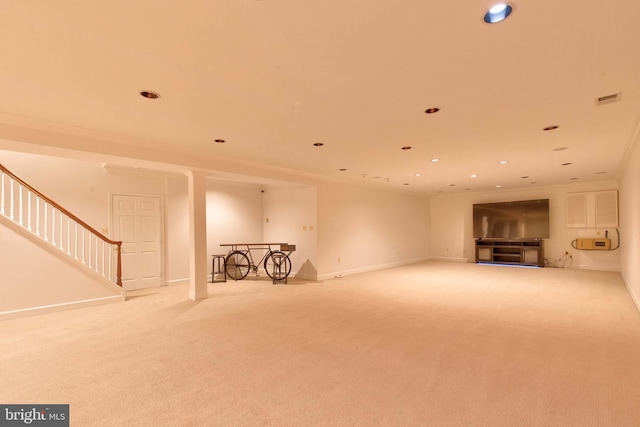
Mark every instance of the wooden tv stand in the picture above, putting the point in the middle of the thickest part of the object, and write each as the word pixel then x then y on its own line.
pixel 515 252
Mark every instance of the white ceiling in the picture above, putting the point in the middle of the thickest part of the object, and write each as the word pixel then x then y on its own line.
pixel 273 77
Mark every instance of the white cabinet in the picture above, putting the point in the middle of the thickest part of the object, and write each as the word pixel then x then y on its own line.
pixel 595 209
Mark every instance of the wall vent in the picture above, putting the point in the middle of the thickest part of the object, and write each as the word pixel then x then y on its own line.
pixel 608 99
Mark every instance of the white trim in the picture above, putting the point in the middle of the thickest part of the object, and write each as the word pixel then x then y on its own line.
pixel 31 311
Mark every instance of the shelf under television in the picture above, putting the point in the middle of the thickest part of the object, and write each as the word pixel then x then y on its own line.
pixel 527 252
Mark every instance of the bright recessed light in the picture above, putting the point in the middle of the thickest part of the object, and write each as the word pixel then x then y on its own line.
pixel 503 162
pixel 474 175
pixel 497 13
pixel 435 160
pixel 418 174
pixel 498 186
pixel 149 94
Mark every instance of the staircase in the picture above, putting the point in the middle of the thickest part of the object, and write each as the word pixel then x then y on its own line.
pixel 59 230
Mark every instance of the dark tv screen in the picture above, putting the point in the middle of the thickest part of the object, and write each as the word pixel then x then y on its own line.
pixel 525 219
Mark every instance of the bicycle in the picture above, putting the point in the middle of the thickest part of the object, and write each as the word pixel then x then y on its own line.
pixel 276 263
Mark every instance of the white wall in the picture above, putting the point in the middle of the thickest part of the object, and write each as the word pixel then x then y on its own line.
pixel 290 216
pixel 362 229
pixel 452 225
pixel 80 187
pixel 32 275
pixel 630 222
pixel 234 215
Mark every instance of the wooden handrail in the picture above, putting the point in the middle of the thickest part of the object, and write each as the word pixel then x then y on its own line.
pixel 95 232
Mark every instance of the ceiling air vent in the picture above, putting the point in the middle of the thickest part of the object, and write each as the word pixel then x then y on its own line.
pixel 608 99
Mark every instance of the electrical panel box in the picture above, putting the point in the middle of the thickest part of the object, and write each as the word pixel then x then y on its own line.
pixel 594 244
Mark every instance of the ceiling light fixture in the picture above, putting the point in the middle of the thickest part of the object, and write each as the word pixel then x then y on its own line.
pixel 560 149
pixel 318 144
pixel 498 13
pixel 567 164
pixel 498 186
pixel 219 141
pixel 407 147
pixel 149 94
pixel 474 175
pixel 342 170
pixel 554 127
pixel 503 162
pixel 432 110
pixel 418 174
pixel 435 160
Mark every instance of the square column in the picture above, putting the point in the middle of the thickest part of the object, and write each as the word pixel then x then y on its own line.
pixel 197 235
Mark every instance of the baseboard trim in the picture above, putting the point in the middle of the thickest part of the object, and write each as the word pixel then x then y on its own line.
pixel 33 311
pixel 634 298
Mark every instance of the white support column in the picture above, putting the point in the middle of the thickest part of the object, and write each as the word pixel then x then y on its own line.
pixel 197 235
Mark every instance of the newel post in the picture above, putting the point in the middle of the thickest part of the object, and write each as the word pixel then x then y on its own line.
pixel 119 265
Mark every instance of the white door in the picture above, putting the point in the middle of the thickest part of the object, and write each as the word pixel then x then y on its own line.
pixel 137 222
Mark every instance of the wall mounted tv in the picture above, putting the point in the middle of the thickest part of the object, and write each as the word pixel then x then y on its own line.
pixel 525 219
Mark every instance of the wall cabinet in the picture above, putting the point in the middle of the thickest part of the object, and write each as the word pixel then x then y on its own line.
pixel 596 209
pixel 514 252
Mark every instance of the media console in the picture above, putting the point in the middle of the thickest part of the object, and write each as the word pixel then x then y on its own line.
pixel 515 252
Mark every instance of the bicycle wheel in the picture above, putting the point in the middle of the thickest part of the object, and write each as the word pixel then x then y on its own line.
pixel 238 265
pixel 281 264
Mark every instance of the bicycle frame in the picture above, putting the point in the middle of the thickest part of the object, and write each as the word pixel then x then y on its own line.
pixel 276 263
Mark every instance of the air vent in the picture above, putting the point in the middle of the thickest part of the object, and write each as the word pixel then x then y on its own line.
pixel 608 99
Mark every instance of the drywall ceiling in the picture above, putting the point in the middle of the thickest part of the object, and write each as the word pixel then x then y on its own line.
pixel 274 77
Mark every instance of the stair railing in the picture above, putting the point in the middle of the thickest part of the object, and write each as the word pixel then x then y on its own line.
pixel 53 224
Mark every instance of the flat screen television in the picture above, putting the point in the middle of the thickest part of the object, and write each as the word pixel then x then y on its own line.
pixel 524 219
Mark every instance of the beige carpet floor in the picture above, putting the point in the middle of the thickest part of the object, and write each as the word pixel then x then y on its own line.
pixel 430 344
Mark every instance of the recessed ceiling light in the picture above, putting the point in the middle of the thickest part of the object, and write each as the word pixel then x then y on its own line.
pixel 407 147
pixel 418 174
pixel 342 170
pixel 452 185
pixel 560 149
pixel 525 177
pixel 435 160
pixel 432 110
pixel 318 144
pixel 503 162
pixel 567 164
pixel 474 175
pixel 406 183
pixel 498 186
pixel 498 13
pixel 149 94
pixel 219 141
pixel 553 127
